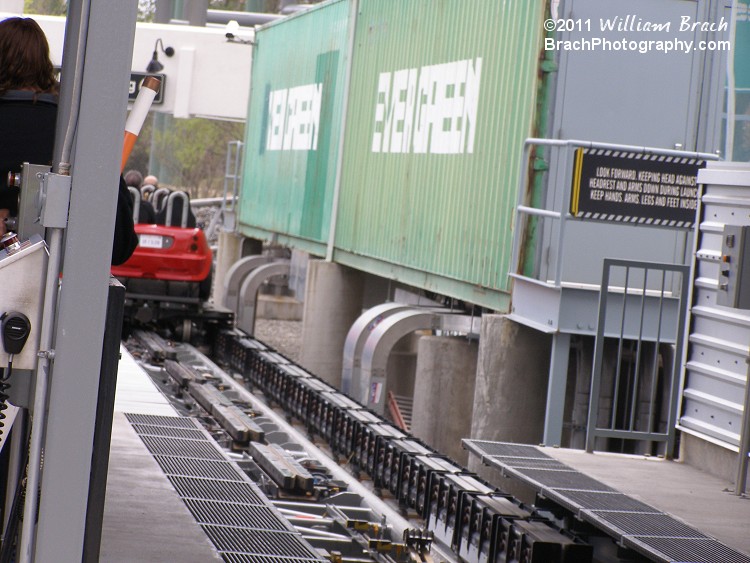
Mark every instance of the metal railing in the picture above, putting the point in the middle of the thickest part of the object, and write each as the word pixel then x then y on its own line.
pixel 395 409
pixel 561 213
pixel 638 393
pixel 232 180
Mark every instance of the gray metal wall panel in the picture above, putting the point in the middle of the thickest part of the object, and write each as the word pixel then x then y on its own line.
pixel 644 99
pixel 715 367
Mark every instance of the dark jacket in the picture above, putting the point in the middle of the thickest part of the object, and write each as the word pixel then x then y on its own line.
pixel 125 239
pixel 27 134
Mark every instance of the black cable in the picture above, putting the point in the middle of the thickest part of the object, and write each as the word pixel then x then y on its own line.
pixel 4 396
pixel 8 541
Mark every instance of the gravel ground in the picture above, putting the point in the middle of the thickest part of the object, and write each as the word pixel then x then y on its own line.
pixel 285 336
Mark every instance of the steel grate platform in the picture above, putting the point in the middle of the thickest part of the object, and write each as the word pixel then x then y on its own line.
pixel 186 467
pixel 577 501
pixel 245 558
pixel 211 489
pixel 485 448
pixel 642 524
pixel 179 447
pixel 161 421
pixel 239 515
pixel 240 521
pixel 634 524
pixel 533 463
pixel 689 550
pixel 167 432
pixel 259 542
pixel 559 479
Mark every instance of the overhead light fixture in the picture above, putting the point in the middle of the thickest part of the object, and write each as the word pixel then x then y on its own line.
pixel 232 33
pixel 154 65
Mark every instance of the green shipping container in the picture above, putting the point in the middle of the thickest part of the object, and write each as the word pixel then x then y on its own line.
pixel 293 127
pixel 442 97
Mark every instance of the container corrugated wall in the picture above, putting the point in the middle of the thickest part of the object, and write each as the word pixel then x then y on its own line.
pixel 293 127
pixel 442 96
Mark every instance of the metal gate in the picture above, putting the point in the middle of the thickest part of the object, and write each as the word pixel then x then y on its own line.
pixel 638 401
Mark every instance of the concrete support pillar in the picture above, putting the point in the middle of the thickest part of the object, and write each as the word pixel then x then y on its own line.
pixel 511 386
pixel 556 389
pixel 583 354
pixel 230 249
pixel 444 393
pixel 333 301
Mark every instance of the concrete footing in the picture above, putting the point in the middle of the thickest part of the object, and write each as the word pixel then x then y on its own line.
pixel 230 250
pixel 711 458
pixel 444 393
pixel 511 384
pixel 278 307
pixel 333 301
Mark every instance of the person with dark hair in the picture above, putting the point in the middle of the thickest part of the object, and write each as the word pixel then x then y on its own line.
pixel 28 115
pixel 134 179
pixel 28 105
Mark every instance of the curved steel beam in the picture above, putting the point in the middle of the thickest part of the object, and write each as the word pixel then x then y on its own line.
pixel 236 274
pixel 373 377
pixel 249 292
pixel 355 341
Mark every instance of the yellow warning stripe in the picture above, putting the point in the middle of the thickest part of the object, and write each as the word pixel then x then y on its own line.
pixel 577 170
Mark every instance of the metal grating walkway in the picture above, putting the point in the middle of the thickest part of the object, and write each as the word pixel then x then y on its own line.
pixel 634 524
pixel 233 512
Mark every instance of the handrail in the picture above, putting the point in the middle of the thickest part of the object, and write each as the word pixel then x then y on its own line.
pixel 170 205
pixel 158 198
pixel 523 210
pixel 136 195
pixel 539 212
pixel 395 411
pixel 232 169
pixel 147 190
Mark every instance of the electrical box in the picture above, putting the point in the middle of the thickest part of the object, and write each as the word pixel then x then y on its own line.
pixel 23 270
pixel 734 268
pixel 29 201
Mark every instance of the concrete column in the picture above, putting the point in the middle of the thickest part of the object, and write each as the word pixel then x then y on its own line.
pixel 333 301
pixel 583 352
pixel 444 393
pixel 230 248
pixel 511 386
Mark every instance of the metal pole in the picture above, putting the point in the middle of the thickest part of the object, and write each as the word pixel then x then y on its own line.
pixel 38 418
pixel 597 367
pixel 739 489
pixel 78 338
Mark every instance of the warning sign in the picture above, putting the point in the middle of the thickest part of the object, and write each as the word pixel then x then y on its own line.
pixel 635 188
